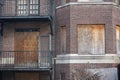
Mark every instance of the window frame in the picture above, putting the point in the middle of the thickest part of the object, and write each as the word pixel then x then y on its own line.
pixel 28 11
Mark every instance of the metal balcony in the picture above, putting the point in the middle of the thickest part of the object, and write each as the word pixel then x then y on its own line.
pixel 25 60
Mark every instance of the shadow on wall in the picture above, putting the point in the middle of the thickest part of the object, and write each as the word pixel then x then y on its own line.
pixel 0 75
pixel 119 72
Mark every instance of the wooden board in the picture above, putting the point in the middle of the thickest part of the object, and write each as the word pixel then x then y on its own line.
pixel 28 43
pixel 118 39
pixel 18 47
pixel 91 39
pixel 63 39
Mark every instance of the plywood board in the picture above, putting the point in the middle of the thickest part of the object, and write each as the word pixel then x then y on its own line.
pixel 91 39
pixel 118 39
pixel 26 47
pixel 63 39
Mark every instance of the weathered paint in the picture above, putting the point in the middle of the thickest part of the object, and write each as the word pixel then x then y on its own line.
pixel 63 39
pixel 118 39
pixel 26 41
pixel 91 39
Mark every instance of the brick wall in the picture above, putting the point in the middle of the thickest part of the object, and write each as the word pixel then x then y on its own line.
pixel 65 68
pixel 63 19
pixel 73 15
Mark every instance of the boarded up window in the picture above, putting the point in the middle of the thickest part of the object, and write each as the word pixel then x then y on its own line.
pixel 26 40
pixel 63 39
pixel 116 1
pixel 63 1
pixel 91 39
pixel 118 39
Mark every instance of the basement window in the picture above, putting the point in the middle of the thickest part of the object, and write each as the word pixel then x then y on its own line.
pixel 91 39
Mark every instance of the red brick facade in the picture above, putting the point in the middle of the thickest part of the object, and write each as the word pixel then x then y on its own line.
pixel 71 15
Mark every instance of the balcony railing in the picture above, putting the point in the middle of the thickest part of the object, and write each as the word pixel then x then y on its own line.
pixel 25 8
pixel 25 59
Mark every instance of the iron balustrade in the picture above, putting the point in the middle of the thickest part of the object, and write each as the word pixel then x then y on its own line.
pixel 25 59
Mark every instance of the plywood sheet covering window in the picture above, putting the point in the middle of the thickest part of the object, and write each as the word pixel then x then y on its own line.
pixel 91 39
pixel 118 39
pixel 63 39
pixel 63 1
pixel 26 47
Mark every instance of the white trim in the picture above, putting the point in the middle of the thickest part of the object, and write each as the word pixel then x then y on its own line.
pixel 90 0
pixel 75 58
pixel 50 42
pixel 86 3
pixel 7 61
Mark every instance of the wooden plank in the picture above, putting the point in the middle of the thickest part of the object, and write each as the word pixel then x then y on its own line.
pixel 84 39
pixel 118 39
pixel 18 46
pixel 31 44
pixel 26 41
pixel 63 39
pixel 98 39
pixel 91 39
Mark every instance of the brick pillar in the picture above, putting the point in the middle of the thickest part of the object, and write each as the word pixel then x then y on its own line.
pixel 110 43
pixel 73 37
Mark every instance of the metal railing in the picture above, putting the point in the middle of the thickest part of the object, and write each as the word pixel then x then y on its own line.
pixel 11 8
pixel 25 59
